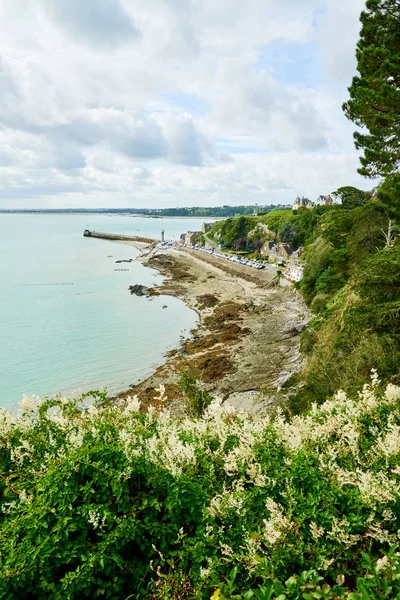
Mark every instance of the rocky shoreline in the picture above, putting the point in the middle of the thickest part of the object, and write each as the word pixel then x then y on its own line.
pixel 246 346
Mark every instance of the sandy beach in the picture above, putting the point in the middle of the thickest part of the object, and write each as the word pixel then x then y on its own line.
pixel 246 346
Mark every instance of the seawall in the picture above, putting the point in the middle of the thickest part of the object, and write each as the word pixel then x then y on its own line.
pixel 119 237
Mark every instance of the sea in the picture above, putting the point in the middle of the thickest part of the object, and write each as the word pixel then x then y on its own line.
pixel 68 323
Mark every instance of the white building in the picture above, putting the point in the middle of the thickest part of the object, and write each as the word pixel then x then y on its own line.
pixel 294 272
pixel 323 200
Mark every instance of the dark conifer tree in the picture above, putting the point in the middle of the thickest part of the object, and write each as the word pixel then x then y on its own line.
pixel 374 101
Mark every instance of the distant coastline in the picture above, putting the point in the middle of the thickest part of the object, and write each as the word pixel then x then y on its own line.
pixel 193 212
pixel 104 213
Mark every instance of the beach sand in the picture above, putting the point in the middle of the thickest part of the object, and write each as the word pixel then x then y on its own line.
pixel 246 346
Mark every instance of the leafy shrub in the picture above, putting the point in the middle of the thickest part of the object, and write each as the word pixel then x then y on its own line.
pixel 320 302
pixel 106 501
pixel 319 258
pixel 307 340
pixel 329 281
pixel 197 399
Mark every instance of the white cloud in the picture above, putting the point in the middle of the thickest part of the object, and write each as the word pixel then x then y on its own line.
pixel 338 31
pixel 167 101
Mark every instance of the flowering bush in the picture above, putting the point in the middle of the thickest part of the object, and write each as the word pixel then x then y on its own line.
pixel 106 501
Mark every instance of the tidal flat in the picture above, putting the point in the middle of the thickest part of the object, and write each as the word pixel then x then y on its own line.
pixel 246 346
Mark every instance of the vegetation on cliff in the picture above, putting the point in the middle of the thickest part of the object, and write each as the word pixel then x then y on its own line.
pixel 351 282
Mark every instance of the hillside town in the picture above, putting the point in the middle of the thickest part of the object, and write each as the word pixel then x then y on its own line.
pixel 289 259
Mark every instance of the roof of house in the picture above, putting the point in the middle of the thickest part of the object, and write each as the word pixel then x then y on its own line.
pixel 287 247
pixel 270 244
pixel 301 201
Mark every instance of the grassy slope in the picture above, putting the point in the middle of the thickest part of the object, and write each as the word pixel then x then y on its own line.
pixel 353 331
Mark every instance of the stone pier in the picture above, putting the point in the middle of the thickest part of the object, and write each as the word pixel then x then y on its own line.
pixel 119 237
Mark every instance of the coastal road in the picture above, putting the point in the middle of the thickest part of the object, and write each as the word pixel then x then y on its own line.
pixel 210 241
pixel 262 277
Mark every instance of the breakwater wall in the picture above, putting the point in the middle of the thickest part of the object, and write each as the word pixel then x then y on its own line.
pixel 117 236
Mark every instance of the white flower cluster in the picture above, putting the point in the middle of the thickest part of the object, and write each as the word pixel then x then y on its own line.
pixel 96 519
pixel 228 444
pixel 277 524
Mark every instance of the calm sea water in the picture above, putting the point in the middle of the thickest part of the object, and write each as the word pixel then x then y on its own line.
pixel 67 320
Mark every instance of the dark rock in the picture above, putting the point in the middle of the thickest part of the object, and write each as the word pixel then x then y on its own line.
pixel 295 329
pixel 300 327
pixel 138 290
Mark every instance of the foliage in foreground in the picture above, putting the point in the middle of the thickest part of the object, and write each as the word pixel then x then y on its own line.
pixel 109 502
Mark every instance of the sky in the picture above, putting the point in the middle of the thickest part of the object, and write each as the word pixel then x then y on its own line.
pixel 125 103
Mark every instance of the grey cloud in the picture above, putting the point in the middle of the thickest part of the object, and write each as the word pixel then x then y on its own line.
pixel 7 158
pixel 40 189
pixel 308 127
pixel 141 173
pixel 145 141
pixel 225 157
pixel 286 118
pixel 187 145
pixel 141 138
pixel 64 157
pixel 96 22
pixel 176 139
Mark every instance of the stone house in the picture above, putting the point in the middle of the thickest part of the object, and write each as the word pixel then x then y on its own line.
pixel 266 249
pixel 306 203
pixel 191 237
pixel 302 202
pixel 297 254
pixel 206 227
pixel 285 251
pixel 280 252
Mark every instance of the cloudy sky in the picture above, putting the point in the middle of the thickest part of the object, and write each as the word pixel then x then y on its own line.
pixel 175 102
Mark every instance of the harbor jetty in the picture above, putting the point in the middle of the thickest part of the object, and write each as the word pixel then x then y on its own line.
pixel 118 237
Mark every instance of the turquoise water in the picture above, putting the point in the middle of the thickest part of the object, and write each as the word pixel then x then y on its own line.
pixel 67 320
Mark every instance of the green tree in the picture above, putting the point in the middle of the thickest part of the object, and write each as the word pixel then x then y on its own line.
pixel 319 258
pixel 374 101
pixel 389 195
pixel 335 227
pixel 275 219
pixel 351 197
pixel 379 281
pixel 236 228
pixel 288 233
